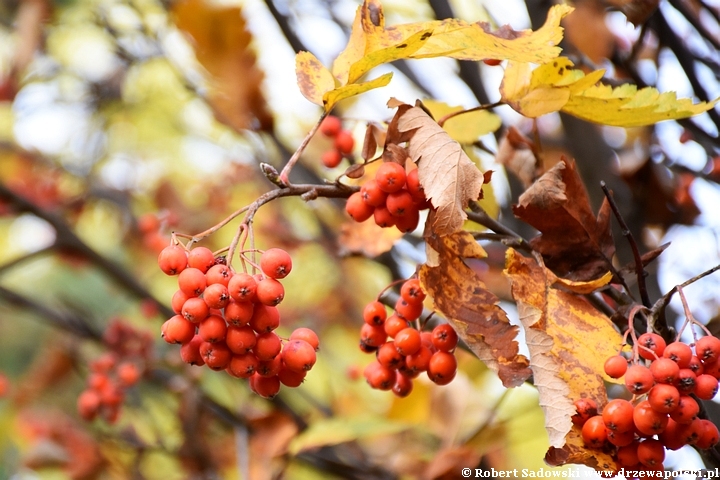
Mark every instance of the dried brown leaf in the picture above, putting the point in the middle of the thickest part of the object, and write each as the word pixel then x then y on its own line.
pixel 460 295
pixel 574 243
pixel 450 179
pixel 366 238
pixel 515 153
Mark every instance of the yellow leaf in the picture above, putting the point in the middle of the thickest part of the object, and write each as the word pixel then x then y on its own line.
pixel 628 107
pixel 354 51
pixel 472 41
pixel 331 98
pixel 313 78
pixel 387 55
pixel 583 288
pixel 568 340
pixel 542 100
pixel 466 128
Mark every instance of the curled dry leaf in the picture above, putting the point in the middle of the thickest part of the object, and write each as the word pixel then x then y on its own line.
pixel 574 244
pixel 450 179
pixel 515 152
pixel 460 295
pixel 569 341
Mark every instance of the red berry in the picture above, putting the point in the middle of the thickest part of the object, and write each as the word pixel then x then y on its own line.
pixel 407 341
pixel 243 365
pixel 266 387
pixel 444 337
pixel 492 62
pixel 648 421
pixel 172 260
pixel 265 318
pixel 306 334
pixel 627 455
pixel 178 330
pixel 357 208
pixel 88 404
pixel 380 377
pixel 330 126
pixel 128 374
pixel 411 291
pixel 618 415
pixel 242 287
pixel 708 349
pixel 706 386
pixel 344 142
pixel 201 258
pixel 419 361
pixel 372 335
pixel 400 203
pixel 663 398
pixel 178 300
pixel 638 379
pixel 412 183
pixel 270 368
pixel 651 452
pixel 383 218
pixel 372 195
pixel 442 368
pixel 374 313
pixel 219 273
pixel 616 366
pixel 685 382
pixel 409 222
pixel 390 177
pixel 408 311
pixel 192 282
pixel 594 433
pixel 298 355
pixel 394 324
pixel 686 410
pixel 650 345
pixel 276 263
pixel 267 346
pixel 213 329
pixel 195 310
pixel 679 353
pixel 239 313
pixel 291 378
pixel 240 340
pixel 190 352
pixel 388 356
pixel 664 370
pixel 403 385
pixel 331 158
pixel 585 408
pixel 709 435
pixel 216 296
pixel 270 292
pixel 217 356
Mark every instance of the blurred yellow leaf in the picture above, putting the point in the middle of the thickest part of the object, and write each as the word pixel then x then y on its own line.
pixel 331 98
pixel 332 431
pixel 466 128
pixel 313 78
pixel 568 340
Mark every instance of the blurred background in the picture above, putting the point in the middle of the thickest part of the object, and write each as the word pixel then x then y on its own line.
pixel 122 121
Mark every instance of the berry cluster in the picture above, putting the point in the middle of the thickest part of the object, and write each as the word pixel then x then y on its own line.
pixel 115 371
pixel 664 411
pixel 343 140
pixel 393 198
pixel 410 352
pixel 226 320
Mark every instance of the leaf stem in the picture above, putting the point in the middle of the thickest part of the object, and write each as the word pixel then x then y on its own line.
pixel 296 156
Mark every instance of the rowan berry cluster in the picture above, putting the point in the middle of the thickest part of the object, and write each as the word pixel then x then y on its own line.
pixel 410 351
pixel 394 198
pixel 115 371
pixel 664 411
pixel 226 320
pixel 343 141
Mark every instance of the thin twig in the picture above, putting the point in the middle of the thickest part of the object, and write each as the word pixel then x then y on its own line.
pixel 665 299
pixel 296 156
pixel 450 115
pixel 639 268
pixel 478 215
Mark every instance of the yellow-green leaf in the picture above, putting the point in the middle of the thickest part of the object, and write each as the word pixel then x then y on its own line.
pixel 313 78
pixel 332 431
pixel 629 107
pixel 471 41
pixel 331 98
pixel 465 128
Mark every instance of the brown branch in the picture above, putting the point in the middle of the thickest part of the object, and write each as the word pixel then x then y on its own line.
pixel 478 215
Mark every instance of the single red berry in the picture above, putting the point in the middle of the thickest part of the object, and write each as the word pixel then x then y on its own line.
pixel 390 177
pixel 201 258
pixel 408 311
pixel 178 330
pixel 419 361
pixel 195 310
pixel 412 183
pixel 303 333
pixel 372 195
pixel 192 282
pixel 266 387
pixel 331 158
pixel 379 377
pixel 240 340
pixel 217 356
pixel 270 368
pixel 648 421
pixel 408 222
pixel 594 433
pixel 190 352
pixel 679 353
pixel 690 433
pixel 411 291
pixel 298 355
pixel 394 324
pixel 442 367
pixel 585 409
pixel 706 386
pixel 330 126
pixel 618 415
pixel 709 435
pixel 276 263
pixel 407 341
pixel 620 439
pixel 403 385
pixel 664 370
pixel 492 62
pixel 238 313
pixel 172 260
pixel 265 318
pixel 399 203
pixel 242 287
pixel 663 398
pixel 242 365
pixel 344 142
pixel 372 335
pixel 178 300
pixel 388 356
pixel 267 346
pixel 627 455
pixel 638 379
pixel 270 292
pixel 708 349
pixel 219 273
pixel 696 365
pixel 650 346
pixel 216 296
pixel 651 452
pixel 291 378
pixel 88 404
pixel 685 382
pixel 444 337
pixel 213 329
pixel 383 218
pixel 686 410
pixel 357 208
pixel 374 313
pixel 128 374
pixel 616 366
